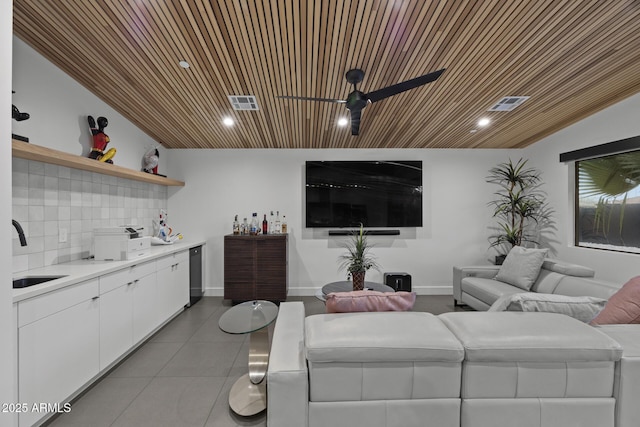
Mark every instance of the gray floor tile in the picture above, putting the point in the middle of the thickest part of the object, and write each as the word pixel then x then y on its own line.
pixel 101 405
pixel 179 330
pixel 223 416
pixel 173 402
pixel 202 359
pixel 211 332
pixel 148 360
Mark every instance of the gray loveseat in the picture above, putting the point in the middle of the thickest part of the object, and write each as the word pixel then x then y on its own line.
pixel 476 286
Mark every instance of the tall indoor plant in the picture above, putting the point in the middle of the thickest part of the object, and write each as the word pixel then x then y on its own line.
pixel 519 206
pixel 357 260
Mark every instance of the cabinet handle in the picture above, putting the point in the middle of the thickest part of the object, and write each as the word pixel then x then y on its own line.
pixel 94 298
pixel 136 281
pixel 130 283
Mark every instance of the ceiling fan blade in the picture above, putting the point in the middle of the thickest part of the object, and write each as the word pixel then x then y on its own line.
pixel 388 91
pixel 305 98
pixel 355 121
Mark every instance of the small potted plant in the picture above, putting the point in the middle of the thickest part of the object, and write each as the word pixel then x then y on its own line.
pixel 519 207
pixel 358 260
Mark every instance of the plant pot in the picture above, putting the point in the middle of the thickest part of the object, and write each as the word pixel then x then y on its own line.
pixel 358 280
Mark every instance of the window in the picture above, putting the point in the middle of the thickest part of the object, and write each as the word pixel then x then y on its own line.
pixel 608 202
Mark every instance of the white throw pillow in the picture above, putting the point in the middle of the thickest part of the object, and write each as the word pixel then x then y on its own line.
pixel 521 267
pixel 581 308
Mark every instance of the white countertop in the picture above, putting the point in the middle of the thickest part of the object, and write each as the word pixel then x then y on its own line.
pixel 85 269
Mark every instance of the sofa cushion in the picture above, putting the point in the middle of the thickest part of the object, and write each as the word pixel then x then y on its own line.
pixel 357 301
pixel 521 267
pixel 379 337
pixel 487 290
pixel 580 286
pixel 623 306
pixel 567 269
pixel 529 337
pixel 581 308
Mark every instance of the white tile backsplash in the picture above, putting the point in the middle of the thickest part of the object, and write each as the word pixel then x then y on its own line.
pixel 49 197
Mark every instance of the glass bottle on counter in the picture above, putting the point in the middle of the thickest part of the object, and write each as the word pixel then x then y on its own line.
pixel 271 224
pixel 284 224
pixel 265 225
pixel 253 230
pixel 277 226
pixel 244 227
pixel 236 226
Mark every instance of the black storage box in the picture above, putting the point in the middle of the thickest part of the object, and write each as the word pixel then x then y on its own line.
pixel 398 281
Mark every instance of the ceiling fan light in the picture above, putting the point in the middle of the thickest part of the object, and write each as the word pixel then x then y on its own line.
pixel 228 121
pixel 343 121
pixel 483 122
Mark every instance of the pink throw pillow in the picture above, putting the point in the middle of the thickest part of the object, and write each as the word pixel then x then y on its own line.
pixel 357 301
pixel 623 306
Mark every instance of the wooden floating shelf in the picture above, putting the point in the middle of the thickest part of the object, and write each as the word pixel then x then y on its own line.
pixel 25 150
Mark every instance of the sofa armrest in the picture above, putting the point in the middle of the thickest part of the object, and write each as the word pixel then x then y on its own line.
pixel 626 387
pixel 287 377
pixel 459 273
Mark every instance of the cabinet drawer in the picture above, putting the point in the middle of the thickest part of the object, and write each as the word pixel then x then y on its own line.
pixel 45 305
pixel 110 281
pixel 169 260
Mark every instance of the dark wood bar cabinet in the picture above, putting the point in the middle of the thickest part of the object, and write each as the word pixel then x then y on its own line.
pixel 255 267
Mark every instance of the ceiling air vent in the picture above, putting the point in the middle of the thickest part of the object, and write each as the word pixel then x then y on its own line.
pixel 508 103
pixel 244 102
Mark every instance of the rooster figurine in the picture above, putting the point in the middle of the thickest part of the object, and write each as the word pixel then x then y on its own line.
pixel 150 160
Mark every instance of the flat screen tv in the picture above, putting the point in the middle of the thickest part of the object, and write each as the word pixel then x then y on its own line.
pixel 375 193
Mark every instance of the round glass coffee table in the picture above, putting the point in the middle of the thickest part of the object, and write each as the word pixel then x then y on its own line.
pixel 248 395
pixel 347 286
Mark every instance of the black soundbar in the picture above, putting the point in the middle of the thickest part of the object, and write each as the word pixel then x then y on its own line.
pixel 367 232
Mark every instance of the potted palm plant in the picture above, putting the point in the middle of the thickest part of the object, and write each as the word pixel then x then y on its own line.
pixel 519 207
pixel 357 260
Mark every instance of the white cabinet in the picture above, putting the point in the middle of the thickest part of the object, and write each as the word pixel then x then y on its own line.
pixel 127 310
pixel 173 283
pixel 58 345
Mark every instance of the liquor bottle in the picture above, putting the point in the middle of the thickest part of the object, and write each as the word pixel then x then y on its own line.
pixel 271 224
pixel 277 227
pixel 244 228
pixel 236 226
pixel 284 224
pixel 265 225
pixel 253 230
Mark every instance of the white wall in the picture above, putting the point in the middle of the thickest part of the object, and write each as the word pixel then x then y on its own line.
pixel 223 183
pixel 7 349
pixel 59 107
pixel 619 121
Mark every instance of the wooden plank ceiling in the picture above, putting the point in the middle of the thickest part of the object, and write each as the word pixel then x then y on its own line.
pixel 571 57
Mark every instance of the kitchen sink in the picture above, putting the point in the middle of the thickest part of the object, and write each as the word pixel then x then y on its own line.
pixel 25 282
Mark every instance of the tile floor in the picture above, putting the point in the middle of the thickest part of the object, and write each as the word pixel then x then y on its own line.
pixel 181 377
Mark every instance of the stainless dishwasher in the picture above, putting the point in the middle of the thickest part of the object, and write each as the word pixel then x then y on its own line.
pixel 195 275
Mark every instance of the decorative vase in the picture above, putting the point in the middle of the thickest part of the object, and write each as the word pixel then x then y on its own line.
pixel 358 280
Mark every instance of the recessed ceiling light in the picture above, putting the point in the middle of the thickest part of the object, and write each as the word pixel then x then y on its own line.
pixel 473 131
pixel 184 64
pixel 342 121
pixel 228 121
pixel 483 121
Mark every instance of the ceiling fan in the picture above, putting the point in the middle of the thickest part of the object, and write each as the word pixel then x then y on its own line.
pixel 357 100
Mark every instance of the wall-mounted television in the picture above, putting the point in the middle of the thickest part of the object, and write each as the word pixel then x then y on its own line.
pixel 375 193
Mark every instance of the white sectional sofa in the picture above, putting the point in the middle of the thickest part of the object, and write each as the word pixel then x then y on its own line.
pixel 468 369
pixel 476 285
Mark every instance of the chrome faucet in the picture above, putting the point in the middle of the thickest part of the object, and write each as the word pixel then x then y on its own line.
pixel 23 240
